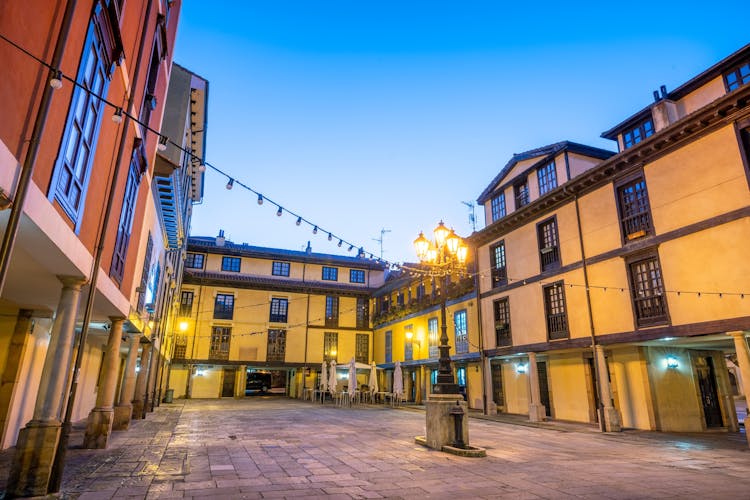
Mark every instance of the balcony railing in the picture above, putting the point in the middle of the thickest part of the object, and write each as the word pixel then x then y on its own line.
pixel 453 291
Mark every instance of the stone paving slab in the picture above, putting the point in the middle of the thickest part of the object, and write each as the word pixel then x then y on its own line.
pixel 273 447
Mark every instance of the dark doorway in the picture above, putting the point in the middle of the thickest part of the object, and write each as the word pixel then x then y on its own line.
pixel 704 367
pixel 541 369
pixel 498 395
pixel 227 388
pixel 594 389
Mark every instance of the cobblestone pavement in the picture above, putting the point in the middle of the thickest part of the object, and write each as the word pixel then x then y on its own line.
pixel 273 447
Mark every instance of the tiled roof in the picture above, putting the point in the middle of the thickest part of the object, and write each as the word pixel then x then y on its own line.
pixel 544 151
pixel 208 244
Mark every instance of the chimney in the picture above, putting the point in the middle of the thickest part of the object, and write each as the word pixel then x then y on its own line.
pixel 220 239
pixel 308 250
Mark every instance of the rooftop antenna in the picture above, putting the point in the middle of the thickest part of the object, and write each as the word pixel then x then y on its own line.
pixel 380 240
pixel 472 217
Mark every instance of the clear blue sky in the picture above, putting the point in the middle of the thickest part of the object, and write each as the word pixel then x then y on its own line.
pixel 367 115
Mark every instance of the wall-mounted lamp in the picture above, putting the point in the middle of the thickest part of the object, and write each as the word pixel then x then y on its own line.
pixel 183 326
pixel 672 362
pixel 522 368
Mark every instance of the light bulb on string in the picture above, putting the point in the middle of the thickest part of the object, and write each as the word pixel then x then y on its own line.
pixel 299 221
pixel 315 230
pixel 230 184
pixel 260 199
pixel 279 212
pixel 202 167
pixel 330 236
pixel 117 115
pixel 351 247
pixel 162 146
pixel 56 81
pixel 340 242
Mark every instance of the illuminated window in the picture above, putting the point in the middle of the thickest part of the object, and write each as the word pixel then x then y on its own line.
pixel 461 332
pixel 330 346
pixel 433 336
pixel 363 312
pixel 362 351
pixel 408 343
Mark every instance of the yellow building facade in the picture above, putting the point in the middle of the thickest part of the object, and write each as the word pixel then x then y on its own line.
pixel 407 324
pixel 246 309
pixel 613 285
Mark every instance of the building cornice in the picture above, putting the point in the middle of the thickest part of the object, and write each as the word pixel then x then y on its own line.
pixel 721 112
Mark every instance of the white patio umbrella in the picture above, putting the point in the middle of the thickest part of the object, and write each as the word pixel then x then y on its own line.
pixel 352 378
pixel 332 382
pixel 398 380
pixel 324 377
pixel 373 381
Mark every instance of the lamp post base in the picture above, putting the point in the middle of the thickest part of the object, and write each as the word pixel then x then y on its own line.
pixel 451 389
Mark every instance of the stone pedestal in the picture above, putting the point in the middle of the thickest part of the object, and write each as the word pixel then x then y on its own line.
pixel 121 417
pixel 98 428
pixel 440 427
pixel 610 415
pixel 537 411
pixel 32 464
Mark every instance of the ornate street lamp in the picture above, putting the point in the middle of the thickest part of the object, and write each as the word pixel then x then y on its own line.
pixel 445 255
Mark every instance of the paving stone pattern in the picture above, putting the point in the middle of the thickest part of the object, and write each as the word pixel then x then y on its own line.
pixel 273 447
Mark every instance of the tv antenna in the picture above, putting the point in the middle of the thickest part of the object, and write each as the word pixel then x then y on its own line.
pixel 472 217
pixel 380 240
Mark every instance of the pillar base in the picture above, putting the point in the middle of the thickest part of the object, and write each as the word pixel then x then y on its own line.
pixel 611 419
pixel 98 428
pixel 137 410
pixel 537 413
pixel 32 463
pixel 440 425
pixel 123 414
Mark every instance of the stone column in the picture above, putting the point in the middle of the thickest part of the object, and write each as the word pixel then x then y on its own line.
pixel 743 360
pixel 140 383
pixel 489 389
pixel 189 385
pixel 9 380
pixel 152 380
pixel 610 416
pixel 37 442
pixel 537 411
pixel 124 408
pixel 99 425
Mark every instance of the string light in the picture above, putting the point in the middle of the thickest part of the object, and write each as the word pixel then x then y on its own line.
pixel 260 199
pixel 351 247
pixel 340 242
pixel 117 116
pixel 230 184
pixel 315 230
pixel 56 81
pixel 162 146
pixel 279 212
pixel 299 221
pixel 330 237
pixel 202 167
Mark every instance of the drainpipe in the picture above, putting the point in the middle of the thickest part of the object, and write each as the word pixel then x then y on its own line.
pixel 14 219
pixel 482 357
pixel 59 460
pixel 597 374
pixel 307 329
